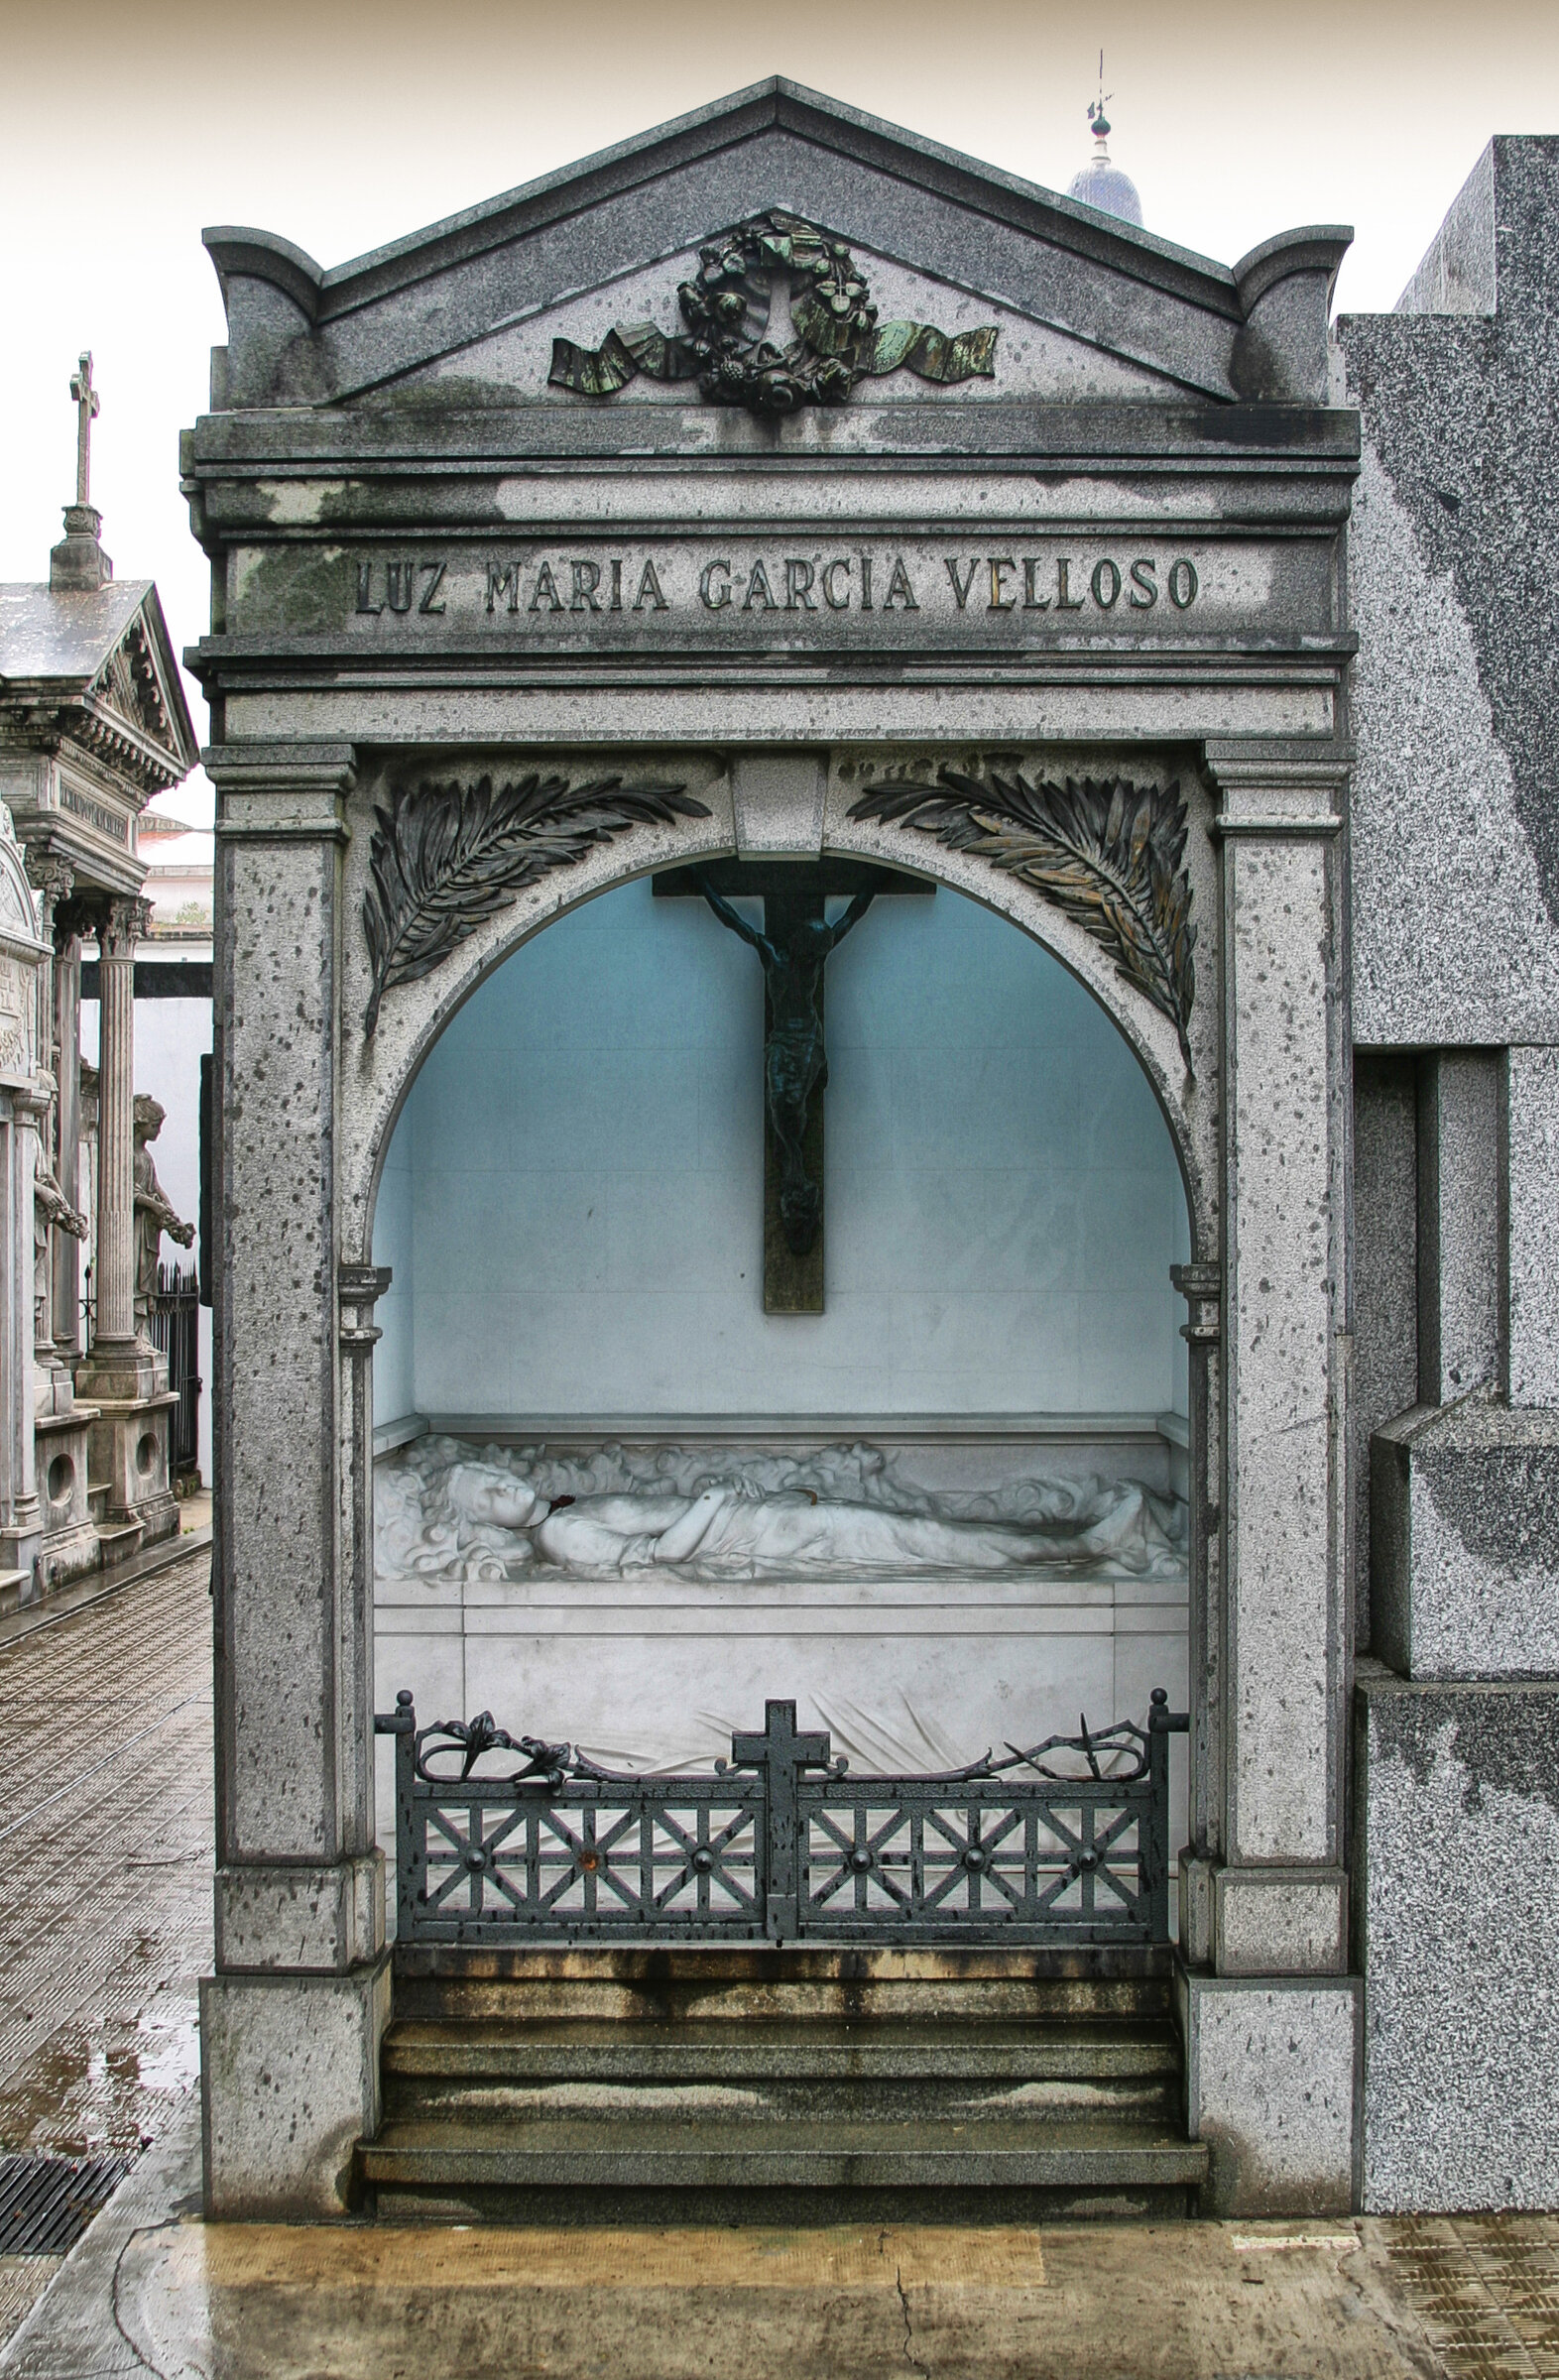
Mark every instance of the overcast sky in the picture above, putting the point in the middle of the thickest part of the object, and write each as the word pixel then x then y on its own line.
pixel 128 126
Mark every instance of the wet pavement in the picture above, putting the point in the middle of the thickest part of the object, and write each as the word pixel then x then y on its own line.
pixel 153 2290
pixel 105 1832
pixel 105 1876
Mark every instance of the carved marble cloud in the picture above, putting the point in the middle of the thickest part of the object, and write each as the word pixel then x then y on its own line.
pixel 451 1513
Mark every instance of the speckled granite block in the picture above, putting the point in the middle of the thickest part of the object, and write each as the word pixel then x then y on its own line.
pixel 1272 2071
pixel 1465 1562
pixel 1457 1929
pixel 1455 594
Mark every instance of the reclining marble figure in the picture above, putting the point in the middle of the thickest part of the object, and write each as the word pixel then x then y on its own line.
pixel 486 1517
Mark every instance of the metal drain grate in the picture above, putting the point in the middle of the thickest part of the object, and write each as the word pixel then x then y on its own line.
pixel 47 2203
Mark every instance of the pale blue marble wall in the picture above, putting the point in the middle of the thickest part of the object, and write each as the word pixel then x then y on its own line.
pixel 582 1152
pixel 394 1392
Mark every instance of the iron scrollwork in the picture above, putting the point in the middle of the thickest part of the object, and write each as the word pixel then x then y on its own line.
pixel 725 308
pixel 1109 853
pixel 447 856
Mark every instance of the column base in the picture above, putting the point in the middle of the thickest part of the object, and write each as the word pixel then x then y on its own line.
pixel 1272 2086
pixel 130 1443
pixel 288 2086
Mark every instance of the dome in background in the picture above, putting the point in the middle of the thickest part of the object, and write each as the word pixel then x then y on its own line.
pixel 1102 184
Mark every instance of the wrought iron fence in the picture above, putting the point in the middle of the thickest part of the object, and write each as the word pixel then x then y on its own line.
pixel 175 1325
pixel 503 1840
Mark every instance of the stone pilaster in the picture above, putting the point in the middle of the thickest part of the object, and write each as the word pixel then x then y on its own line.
pixel 1459 1175
pixel 300 1988
pixel 1529 1225
pixel 1286 1648
pixel 1272 2019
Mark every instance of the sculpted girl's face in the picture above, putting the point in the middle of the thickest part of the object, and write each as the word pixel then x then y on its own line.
pixel 487 1496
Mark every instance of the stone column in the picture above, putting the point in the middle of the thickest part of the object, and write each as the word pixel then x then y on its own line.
pixel 1201 1285
pixel 124 921
pixel 67 1160
pixel 54 881
pixel 291 2021
pixel 1271 2028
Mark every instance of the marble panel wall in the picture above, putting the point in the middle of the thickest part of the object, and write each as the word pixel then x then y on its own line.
pixel 582 1152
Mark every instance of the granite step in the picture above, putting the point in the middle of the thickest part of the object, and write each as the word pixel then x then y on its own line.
pixel 521 1988
pixel 874 2050
pixel 677 2118
pixel 700 2169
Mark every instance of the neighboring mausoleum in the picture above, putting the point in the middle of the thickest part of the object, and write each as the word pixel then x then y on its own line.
pixel 93 724
pixel 886 1341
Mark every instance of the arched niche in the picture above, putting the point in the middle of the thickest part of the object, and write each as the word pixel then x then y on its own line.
pixel 381 1065
pixel 1112 1063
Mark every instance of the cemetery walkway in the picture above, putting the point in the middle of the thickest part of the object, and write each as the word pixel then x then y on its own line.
pixel 106 1877
pixel 105 1893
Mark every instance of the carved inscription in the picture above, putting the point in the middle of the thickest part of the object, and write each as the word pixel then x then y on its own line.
pixel 542 585
pixel 95 813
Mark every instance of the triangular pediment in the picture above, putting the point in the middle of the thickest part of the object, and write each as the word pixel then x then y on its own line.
pixel 1081 304
pixel 973 341
pixel 99 660
pixel 136 696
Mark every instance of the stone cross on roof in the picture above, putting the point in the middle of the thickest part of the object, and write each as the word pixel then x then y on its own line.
pixel 89 407
pixel 79 565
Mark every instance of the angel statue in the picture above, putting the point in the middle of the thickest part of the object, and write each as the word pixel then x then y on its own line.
pixel 49 1206
pixel 153 1213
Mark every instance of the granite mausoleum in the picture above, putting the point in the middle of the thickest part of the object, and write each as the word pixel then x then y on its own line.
pixel 626 595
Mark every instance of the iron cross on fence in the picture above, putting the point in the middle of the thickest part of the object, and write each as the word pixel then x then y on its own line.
pixel 782 1753
pixel 89 407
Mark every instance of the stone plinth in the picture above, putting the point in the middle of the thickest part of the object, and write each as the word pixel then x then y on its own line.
pixel 1270 2086
pixel 70 1544
pixel 1457 1926
pixel 131 1441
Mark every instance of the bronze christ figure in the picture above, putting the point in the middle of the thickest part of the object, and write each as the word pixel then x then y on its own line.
pixel 796 1056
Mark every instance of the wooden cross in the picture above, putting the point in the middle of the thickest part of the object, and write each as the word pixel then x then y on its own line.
pixel 781 1751
pixel 87 408
pixel 792 892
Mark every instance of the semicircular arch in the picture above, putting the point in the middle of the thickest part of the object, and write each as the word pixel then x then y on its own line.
pixel 381 1065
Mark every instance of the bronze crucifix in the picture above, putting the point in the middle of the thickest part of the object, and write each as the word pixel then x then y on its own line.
pixel 793 946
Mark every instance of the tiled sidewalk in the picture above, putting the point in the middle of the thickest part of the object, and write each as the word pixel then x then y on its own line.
pixel 105 1876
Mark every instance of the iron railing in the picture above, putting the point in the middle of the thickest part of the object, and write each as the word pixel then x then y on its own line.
pixel 175 1326
pixel 1065 1843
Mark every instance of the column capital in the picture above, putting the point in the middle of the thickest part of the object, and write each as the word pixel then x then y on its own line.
pixel 52 876
pixel 127 920
pixel 1202 1287
pixel 357 1288
pixel 282 792
pixel 1276 789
